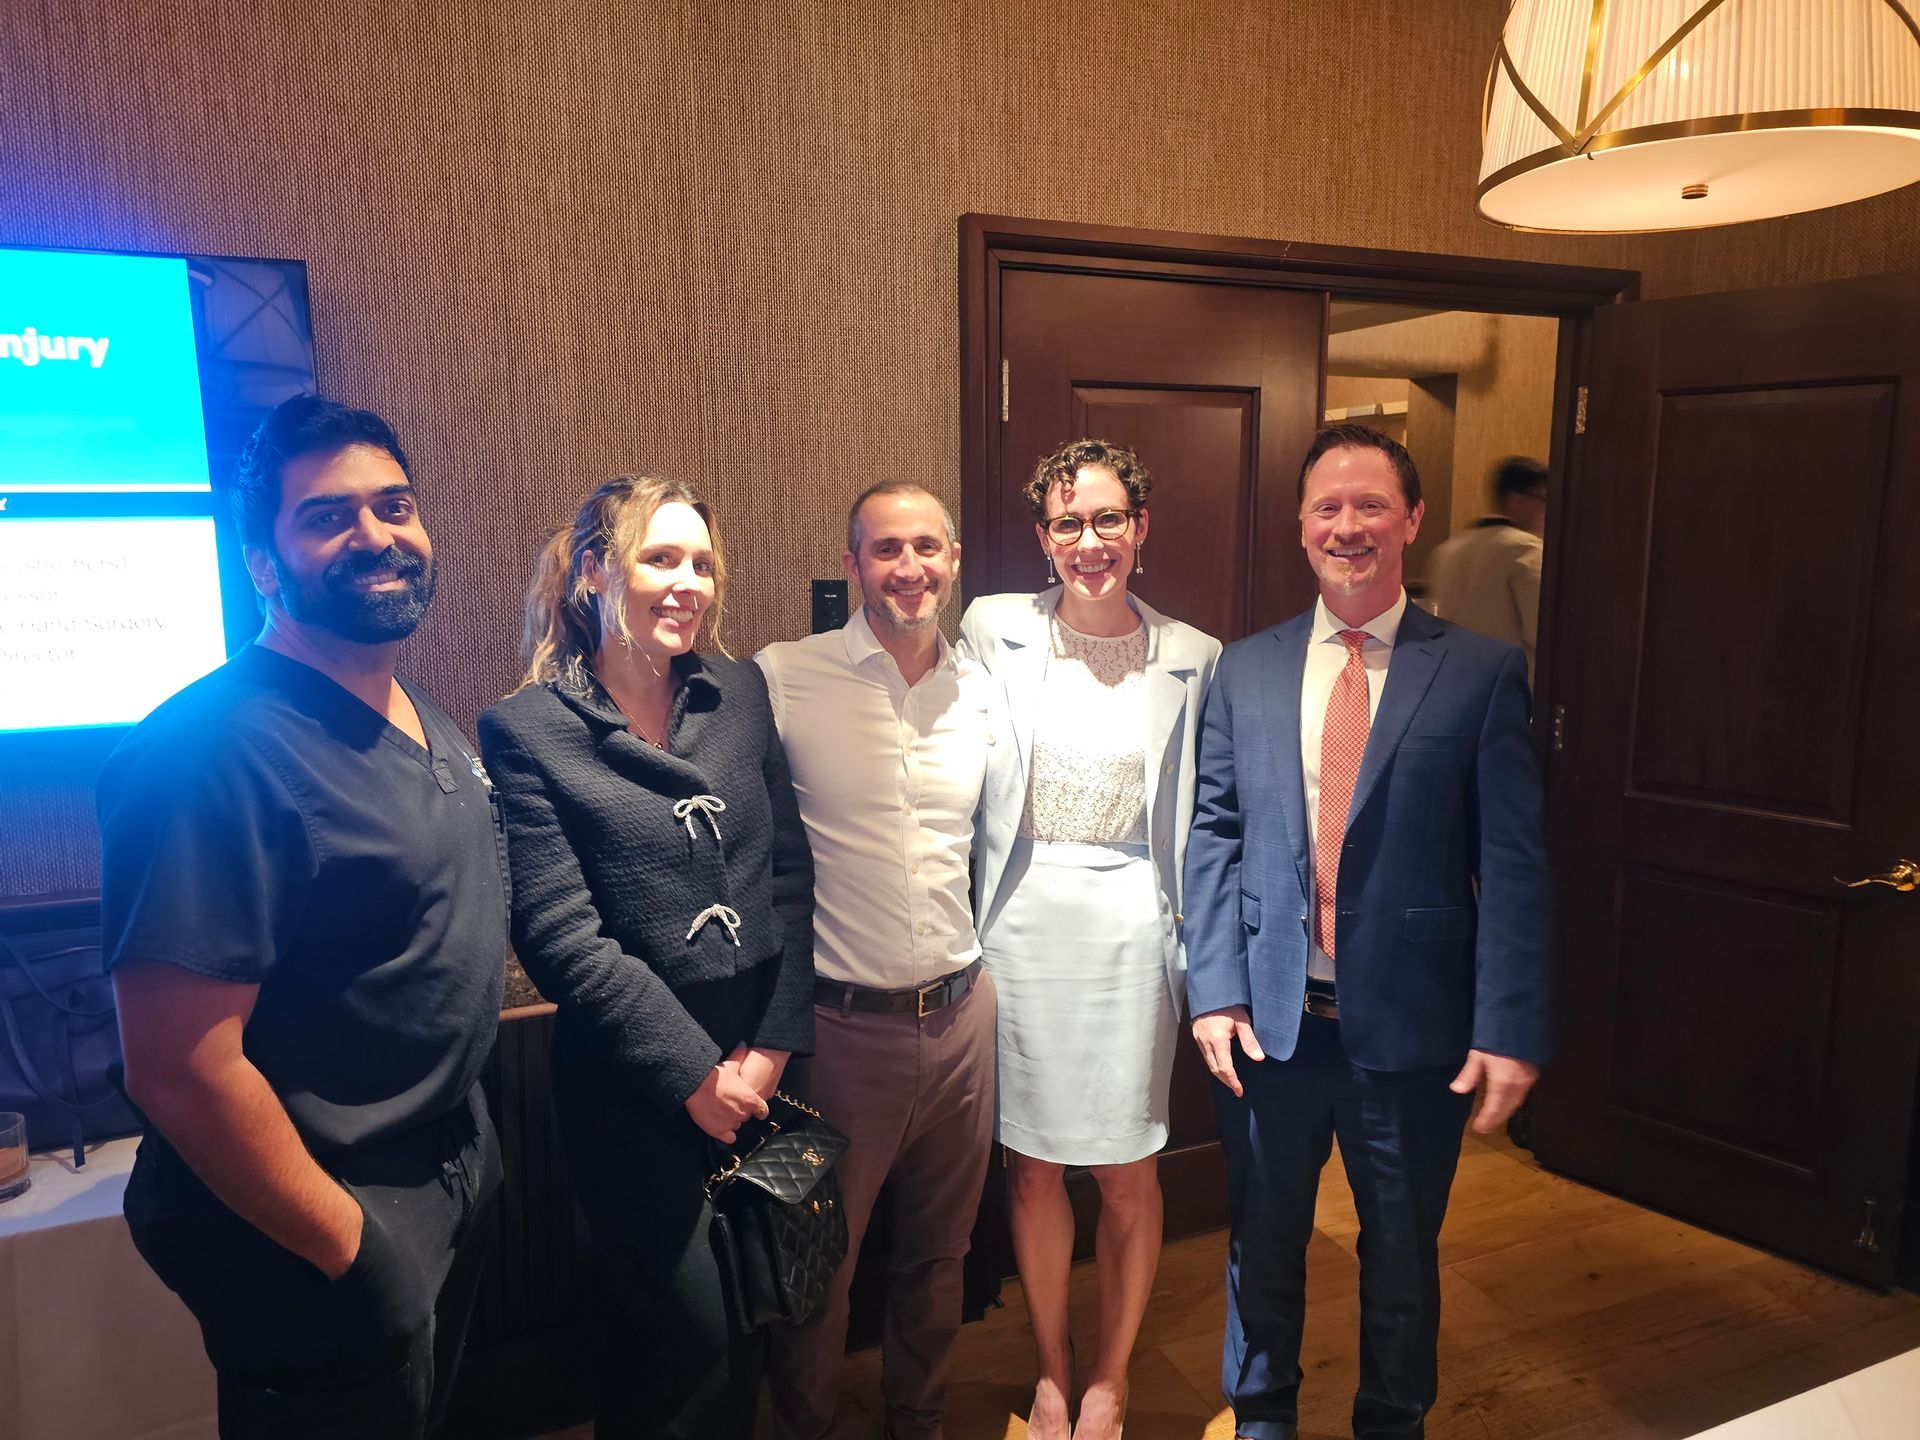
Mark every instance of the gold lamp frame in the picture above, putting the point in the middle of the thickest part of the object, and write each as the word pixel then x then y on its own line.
pixel 1587 135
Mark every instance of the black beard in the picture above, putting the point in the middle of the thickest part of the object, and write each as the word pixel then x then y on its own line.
pixel 375 618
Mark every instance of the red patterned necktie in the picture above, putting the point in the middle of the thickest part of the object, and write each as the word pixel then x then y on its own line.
pixel 1343 740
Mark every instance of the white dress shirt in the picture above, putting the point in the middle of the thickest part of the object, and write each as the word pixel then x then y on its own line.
pixel 1326 658
pixel 888 777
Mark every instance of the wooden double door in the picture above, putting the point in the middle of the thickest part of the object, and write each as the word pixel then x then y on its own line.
pixel 1730 670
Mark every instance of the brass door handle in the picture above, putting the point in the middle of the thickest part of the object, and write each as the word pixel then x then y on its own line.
pixel 1903 875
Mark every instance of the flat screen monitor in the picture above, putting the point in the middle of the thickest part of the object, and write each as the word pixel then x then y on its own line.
pixel 128 384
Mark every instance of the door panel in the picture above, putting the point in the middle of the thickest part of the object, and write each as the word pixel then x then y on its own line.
pixel 1765 959
pixel 1213 435
pixel 1723 564
pixel 1218 388
pixel 1738 1030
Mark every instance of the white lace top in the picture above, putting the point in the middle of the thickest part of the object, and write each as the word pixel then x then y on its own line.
pixel 1088 780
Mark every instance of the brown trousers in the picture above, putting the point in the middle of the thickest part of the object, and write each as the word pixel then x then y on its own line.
pixel 916 1098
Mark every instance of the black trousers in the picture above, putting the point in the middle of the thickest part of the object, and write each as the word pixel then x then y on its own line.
pixel 673 1366
pixel 1399 1135
pixel 372 1354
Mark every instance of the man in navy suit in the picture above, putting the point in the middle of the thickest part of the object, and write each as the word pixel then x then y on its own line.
pixel 1367 921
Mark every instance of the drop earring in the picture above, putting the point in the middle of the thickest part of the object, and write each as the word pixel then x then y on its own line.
pixel 1052 579
pixel 1140 558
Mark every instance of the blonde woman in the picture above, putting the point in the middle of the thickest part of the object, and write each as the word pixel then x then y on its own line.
pixel 663 900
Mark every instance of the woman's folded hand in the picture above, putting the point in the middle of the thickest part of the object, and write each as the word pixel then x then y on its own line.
pixel 724 1099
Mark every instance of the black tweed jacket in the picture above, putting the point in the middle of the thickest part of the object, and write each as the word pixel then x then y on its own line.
pixel 617 866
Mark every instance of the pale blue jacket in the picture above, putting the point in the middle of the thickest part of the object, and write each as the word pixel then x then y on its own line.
pixel 1008 635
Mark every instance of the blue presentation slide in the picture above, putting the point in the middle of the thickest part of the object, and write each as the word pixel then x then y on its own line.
pixel 109 589
pixel 99 375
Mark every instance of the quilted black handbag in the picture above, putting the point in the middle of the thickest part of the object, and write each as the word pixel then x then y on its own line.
pixel 779 1230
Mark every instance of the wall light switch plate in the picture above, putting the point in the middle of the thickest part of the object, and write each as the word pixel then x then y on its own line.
pixel 829 605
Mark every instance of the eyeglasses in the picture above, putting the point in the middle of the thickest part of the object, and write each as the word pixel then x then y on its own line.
pixel 1107 524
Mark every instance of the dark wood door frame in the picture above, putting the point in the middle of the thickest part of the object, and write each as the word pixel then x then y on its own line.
pixel 991 246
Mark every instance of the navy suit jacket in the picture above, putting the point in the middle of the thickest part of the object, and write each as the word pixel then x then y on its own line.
pixel 1441 935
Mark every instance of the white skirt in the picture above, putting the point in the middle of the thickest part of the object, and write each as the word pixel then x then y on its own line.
pixel 1087 1023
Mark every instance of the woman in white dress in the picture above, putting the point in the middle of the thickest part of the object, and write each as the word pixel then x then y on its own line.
pixel 1082 836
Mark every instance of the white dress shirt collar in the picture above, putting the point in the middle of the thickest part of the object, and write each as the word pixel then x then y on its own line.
pixel 1382 627
pixel 863 644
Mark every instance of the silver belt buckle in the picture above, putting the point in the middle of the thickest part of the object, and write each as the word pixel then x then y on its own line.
pixel 1321 1006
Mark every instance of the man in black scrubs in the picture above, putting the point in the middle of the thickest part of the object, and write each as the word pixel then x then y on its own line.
pixel 305 905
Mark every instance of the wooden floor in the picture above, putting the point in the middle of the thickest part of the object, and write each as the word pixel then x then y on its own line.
pixel 1567 1313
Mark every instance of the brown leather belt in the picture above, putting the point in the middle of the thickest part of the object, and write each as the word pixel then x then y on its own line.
pixel 1320 1001
pixel 921 1001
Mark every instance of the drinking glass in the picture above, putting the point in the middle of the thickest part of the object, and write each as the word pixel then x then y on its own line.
pixel 13 1154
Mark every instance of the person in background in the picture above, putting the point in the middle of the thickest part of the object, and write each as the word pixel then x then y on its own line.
pixel 888 731
pixel 663 900
pixel 1488 577
pixel 305 910
pixel 1367 924
pixel 1084 831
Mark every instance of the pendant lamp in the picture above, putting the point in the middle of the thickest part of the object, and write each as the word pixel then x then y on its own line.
pixel 1613 115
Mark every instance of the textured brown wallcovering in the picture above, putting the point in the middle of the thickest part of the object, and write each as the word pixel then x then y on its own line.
pixel 1505 396
pixel 552 241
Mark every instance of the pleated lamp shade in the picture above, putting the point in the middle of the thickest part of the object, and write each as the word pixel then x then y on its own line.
pixel 1670 114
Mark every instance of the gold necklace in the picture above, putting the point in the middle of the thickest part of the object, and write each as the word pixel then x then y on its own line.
pixel 634 725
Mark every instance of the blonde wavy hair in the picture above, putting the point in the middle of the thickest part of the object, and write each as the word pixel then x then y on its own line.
pixel 563 621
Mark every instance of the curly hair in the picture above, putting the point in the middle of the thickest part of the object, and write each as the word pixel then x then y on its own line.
pixel 1063 464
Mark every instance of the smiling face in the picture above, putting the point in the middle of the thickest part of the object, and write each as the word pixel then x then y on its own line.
pixel 1093 567
pixel 1355 528
pixel 349 555
pixel 668 588
pixel 905 565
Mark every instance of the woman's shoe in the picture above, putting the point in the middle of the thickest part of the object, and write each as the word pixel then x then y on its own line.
pixel 1062 1430
pixel 1119 1420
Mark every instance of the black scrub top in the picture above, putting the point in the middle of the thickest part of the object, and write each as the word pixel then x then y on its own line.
pixel 265 826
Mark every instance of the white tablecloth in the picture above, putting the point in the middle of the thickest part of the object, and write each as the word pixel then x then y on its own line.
pixel 1881 1402
pixel 92 1345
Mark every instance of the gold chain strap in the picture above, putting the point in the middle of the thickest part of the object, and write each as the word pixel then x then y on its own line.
pixel 714 1180
pixel 800 1105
